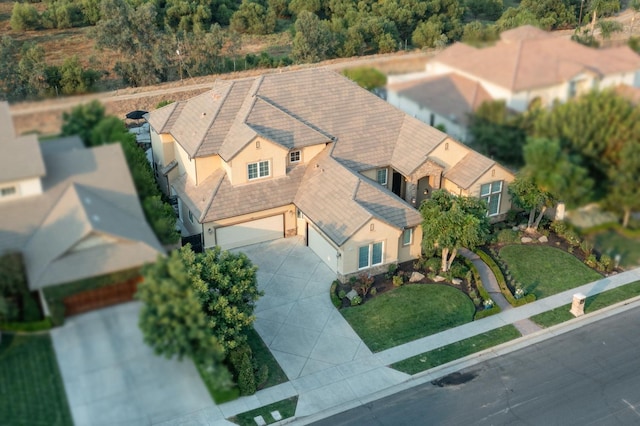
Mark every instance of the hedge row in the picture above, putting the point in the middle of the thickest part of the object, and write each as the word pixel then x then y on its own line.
pixel 504 289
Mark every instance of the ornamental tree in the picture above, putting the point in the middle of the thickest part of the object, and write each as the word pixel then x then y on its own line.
pixel 450 222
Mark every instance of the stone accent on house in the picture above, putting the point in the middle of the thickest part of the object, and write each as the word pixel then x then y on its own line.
pixel 429 168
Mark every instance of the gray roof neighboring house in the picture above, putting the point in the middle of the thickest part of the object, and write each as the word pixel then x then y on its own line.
pixel 449 95
pixel 88 202
pixel 20 157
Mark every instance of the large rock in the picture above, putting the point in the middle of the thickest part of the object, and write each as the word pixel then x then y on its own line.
pixel 526 239
pixel 416 277
pixel 352 294
pixel 438 279
pixel 543 239
pixel 456 281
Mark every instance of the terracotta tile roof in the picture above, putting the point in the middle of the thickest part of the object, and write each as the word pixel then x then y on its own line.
pixel 525 59
pixel 449 95
pixel 469 169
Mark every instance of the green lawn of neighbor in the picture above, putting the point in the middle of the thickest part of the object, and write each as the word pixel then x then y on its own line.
pixel 457 350
pixel 408 313
pixel 286 408
pixel 31 388
pixel 544 270
pixel 612 243
pixel 592 304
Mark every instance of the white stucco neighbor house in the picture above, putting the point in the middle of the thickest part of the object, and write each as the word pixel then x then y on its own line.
pixel 527 64
pixel 311 153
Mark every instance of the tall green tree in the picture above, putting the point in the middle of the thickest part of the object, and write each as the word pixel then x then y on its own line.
pixel 450 222
pixel 82 119
pixel 526 195
pixel 172 319
pixel 10 86
pixel 624 192
pixel 313 41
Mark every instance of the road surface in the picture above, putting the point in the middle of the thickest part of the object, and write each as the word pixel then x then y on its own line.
pixel 590 376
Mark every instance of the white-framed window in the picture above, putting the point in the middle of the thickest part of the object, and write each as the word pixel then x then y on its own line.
pixel 490 193
pixel 7 191
pixel 294 156
pixel 191 219
pixel 258 170
pixel 370 255
pixel 381 177
pixel 407 237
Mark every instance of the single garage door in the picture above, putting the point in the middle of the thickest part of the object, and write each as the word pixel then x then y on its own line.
pixel 252 232
pixel 322 248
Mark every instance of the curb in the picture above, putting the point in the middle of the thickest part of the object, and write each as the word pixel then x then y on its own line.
pixel 473 359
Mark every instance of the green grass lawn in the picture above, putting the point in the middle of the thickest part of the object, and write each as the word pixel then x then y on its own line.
pixel 612 243
pixel 408 313
pixel 544 270
pixel 592 304
pixel 31 389
pixel 457 350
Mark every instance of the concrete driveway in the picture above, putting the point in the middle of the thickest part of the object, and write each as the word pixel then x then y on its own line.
pixel 112 378
pixel 295 317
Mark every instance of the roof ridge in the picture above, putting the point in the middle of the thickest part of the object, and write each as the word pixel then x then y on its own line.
pixel 212 195
pixel 298 118
pixel 215 115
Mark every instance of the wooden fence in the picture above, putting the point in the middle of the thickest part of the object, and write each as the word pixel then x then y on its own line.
pixel 101 297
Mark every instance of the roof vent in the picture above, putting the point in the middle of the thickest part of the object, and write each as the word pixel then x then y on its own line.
pixel 95 218
pixel 204 114
pixel 87 200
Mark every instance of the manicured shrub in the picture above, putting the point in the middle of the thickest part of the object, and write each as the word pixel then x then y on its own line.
pixel 458 270
pixel 606 263
pixel 398 281
pixel 242 369
pixel 357 300
pixel 335 299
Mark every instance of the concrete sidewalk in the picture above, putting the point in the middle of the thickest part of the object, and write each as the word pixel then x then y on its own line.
pixel 367 378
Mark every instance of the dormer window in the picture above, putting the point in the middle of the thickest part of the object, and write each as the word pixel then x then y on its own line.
pixel 258 170
pixel 381 177
pixel 294 156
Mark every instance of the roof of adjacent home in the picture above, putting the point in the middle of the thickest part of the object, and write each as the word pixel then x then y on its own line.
pixel 19 157
pixel 449 95
pixel 86 222
pixel 527 57
pixel 296 109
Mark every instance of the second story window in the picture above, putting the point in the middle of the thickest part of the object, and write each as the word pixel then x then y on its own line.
pixel 258 170
pixel 382 177
pixel 294 157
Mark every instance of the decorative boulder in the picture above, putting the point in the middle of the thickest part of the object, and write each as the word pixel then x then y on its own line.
pixel 352 294
pixel 456 281
pixel 515 228
pixel 526 239
pixel 438 278
pixel 543 239
pixel 415 277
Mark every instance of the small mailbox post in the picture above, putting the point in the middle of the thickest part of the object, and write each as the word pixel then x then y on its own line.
pixel 577 307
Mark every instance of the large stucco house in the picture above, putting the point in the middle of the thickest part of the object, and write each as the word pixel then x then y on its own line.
pixel 527 64
pixel 311 153
pixel 72 211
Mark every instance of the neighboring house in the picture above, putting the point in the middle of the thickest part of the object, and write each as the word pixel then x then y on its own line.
pixel 72 211
pixel 526 65
pixel 311 153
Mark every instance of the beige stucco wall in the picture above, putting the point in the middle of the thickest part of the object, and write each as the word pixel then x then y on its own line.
pixel 307 153
pixel 23 188
pixel 413 250
pixel 494 174
pixel 389 236
pixel 449 152
pixel 185 164
pixel 162 146
pixel 373 175
pixel 205 166
pixel 290 222
pixel 192 228
pixel 269 151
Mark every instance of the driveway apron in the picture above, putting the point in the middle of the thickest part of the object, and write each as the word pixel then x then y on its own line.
pixel 295 317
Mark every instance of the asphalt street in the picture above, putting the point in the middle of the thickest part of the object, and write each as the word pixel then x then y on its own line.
pixel 590 376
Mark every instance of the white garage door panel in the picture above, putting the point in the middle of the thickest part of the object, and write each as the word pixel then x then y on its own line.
pixel 252 232
pixel 323 249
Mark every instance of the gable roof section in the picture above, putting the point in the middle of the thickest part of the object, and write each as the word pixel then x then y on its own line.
pixel 163 118
pixel 469 169
pixel 524 60
pixel 449 95
pixel 20 157
pixel 340 202
pixel 415 141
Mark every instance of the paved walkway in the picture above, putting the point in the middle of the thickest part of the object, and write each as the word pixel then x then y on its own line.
pixel 490 283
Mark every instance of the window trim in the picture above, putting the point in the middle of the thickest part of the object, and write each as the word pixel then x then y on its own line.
pixel 258 171
pixel 404 232
pixel 8 191
pixel 386 176
pixel 190 215
pixel 370 252
pixel 488 196
pixel 299 155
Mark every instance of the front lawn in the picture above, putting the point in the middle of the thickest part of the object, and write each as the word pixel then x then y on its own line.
pixel 31 389
pixel 457 350
pixel 591 304
pixel 544 270
pixel 286 408
pixel 613 243
pixel 409 313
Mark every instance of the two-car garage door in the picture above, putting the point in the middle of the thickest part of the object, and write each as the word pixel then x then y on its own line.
pixel 252 232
